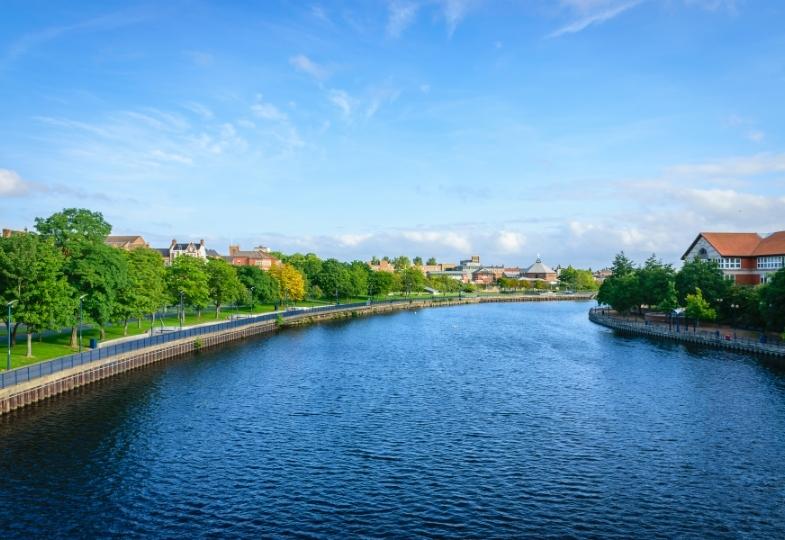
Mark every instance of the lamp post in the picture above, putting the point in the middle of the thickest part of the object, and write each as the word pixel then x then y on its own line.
pixel 9 305
pixel 81 298
pixel 252 299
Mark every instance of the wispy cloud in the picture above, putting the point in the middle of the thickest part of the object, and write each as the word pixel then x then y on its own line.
pixel 343 101
pixel 308 66
pixel 268 111
pixel 401 15
pixel 591 15
pixel 454 12
pixel 33 40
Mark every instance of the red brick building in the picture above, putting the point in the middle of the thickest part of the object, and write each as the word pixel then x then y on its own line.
pixel 745 258
pixel 258 257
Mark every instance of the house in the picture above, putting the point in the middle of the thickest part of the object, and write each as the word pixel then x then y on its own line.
pixel 383 266
pixel 744 258
pixel 8 233
pixel 177 249
pixel 259 257
pixel 126 243
pixel 602 275
pixel 540 270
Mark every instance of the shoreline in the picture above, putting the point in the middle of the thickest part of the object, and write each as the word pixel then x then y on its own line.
pixel 54 377
pixel 707 339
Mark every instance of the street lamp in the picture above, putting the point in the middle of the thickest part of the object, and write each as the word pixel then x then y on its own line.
pixel 252 299
pixel 9 305
pixel 80 320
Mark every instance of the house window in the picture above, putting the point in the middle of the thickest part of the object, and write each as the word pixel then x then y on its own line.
pixel 729 263
pixel 770 263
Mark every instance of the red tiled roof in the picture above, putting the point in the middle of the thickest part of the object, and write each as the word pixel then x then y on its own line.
pixel 774 244
pixel 743 244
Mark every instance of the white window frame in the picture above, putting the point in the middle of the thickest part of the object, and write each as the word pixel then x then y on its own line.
pixel 774 262
pixel 729 263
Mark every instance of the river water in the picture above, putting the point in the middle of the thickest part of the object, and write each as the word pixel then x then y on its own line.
pixel 494 420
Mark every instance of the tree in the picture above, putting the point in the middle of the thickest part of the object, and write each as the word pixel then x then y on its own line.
pixel 100 273
pixel 334 279
pixel 622 292
pixel 698 308
pixel 266 289
pixel 401 263
pixel 742 306
pixel 772 301
pixel 382 283
pixel 412 280
pixel 656 279
pixel 31 274
pixel 669 301
pixel 432 261
pixel 375 261
pixel 704 274
pixel 417 261
pixel 622 265
pixel 223 283
pixel 73 228
pixel 187 276
pixel 359 273
pixel 290 281
pixel 77 232
pixel 145 290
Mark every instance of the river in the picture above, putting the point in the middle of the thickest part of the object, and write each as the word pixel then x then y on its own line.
pixel 492 420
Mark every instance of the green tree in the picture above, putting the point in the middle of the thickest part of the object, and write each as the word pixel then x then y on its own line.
pixel 224 285
pixel 742 305
pixel 31 274
pixel 622 292
pixel 375 260
pixel 401 263
pixel 145 289
pixel 670 299
pixel 359 274
pixel 100 272
pixel 187 276
pixel 655 279
pixel 706 275
pixel 412 280
pixel 417 261
pixel 334 279
pixel 772 301
pixel 382 283
pixel 432 261
pixel 266 289
pixel 622 265
pixel 698 308
pixel 77 233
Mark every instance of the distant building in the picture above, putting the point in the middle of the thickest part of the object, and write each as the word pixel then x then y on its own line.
pixel 8 233
pixel 540 270
pixel 383 266
pixel 602 275
pixel 126 242
pixel 744 258
pixel 177 249
pixel 259 257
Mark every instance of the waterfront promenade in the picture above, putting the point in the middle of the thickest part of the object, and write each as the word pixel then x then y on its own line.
pixel 29 384
pixel 711 338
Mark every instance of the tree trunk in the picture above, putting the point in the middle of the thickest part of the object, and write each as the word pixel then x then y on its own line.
pixel 125 327
pixel 217 310
pixel 29 343
pixel 139 322
pixel 13 333
pixel 74 337
pixel 101 332
pixel 152 323
pixel 198 314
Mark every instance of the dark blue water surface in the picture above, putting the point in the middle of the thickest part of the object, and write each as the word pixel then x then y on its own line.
pixel 496 420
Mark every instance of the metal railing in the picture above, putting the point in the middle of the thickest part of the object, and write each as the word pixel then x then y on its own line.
pixel 48 367
pixel 684 331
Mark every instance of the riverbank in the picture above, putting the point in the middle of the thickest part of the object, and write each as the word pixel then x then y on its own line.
pixel 605 317
pixel 30 384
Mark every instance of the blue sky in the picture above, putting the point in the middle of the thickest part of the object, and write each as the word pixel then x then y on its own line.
pixel 570 129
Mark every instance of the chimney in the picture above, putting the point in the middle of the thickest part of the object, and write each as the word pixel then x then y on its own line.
pixel 233 250
pixel 201 242
pixel 174 242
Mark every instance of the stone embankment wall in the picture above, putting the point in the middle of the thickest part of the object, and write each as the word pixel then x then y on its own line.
pixel 706 338
pixel 32 391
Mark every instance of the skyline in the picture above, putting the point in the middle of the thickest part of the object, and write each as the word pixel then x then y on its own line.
pixel 570 129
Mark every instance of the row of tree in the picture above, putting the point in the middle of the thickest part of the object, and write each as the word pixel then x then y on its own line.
pixel 700 287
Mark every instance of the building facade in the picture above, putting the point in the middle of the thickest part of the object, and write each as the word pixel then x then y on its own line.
pixel 126 242
pixel 178 249
pixel 259 257
pixel 744 258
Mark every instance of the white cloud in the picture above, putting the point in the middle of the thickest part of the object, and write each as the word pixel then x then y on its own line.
pixel 450 239
pixel 454 12
pixel 171 157
pixel 401 15
pixel 306 65
pixel 353 240
pixel 268 111
pixel 755 135
pixel 199 109
pixel 510 242
pixel 593 12
pixel 759 164
pixel 343 101
pixel 12 185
